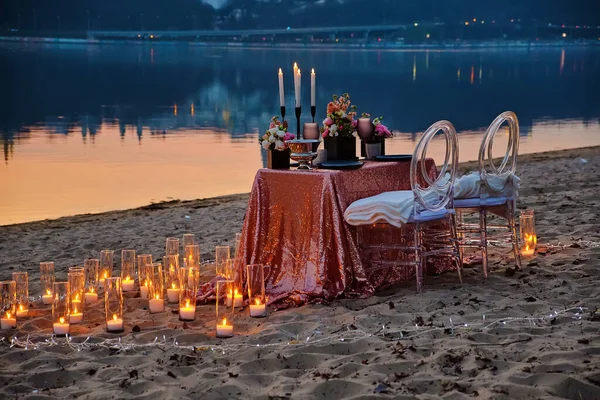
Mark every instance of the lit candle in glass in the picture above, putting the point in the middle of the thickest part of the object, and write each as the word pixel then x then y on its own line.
pixel 224 330
pixel 8 321
pixel 61 327
pixel 528 233
pixel 22 293
pixel 91 296
pixel 173 293
pixel 115 324
pixel 128 284
pixel 172 274
pixel 47 280
pixel 128 270
pixel 76 315
pixel 113 305
pixel 258 309
pixel 61 307
pixel 187 312
pixel 106 265
pixel 21 312
pixel 156 304
pixel 255 275
pixel 92 268
pixel 156 288
pixel 144 290
pixel 47 298
pixel 235 297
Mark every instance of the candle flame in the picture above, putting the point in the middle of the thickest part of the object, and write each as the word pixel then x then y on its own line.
pixel 77 296
pixel 156 297
pixel 312 71
pixel 172 286
pixel 295 65
pixel 280 72
pixel 235 292
pixel 114 317
pixel 8 314
pixel 62 320
pixel 105 274
pixel 48 292
pixel 127 278
pixel 92 289
pixel 257 301
pixel 298 72
pixel 75 310
pixel 20 307
pixel 187 303
pixel 224 321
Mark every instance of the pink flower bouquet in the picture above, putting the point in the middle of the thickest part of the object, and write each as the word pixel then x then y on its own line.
pixel 380 129
pixel 340 120
pixel 276 136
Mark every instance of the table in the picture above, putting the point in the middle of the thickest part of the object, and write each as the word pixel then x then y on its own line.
pixel 295 225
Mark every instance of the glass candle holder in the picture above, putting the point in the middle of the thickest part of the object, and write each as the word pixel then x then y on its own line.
pixel 172 247
pixel 144 265
pixel 91 267
pixel 173 280
pixel 224 323
pixel 235 296
pixel 188 239
pixel 257 301
pixel 22 292
pixel 113 305
pixel 128 270
pixel 156 290
pixel 47 281
pixel 311 131
pixel 61 308
pixel 191 256
pixel 76 278
pixel 528 234
pixel 365 128
pixel 187 297
pixel 8 304
pixel 222 254
pixel 107 258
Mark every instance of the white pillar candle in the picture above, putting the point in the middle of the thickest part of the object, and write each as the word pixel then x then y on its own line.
pixel 237 298
pixel 187 313
pixel 21 313
pixel 47 298
pixel 114 324
pixel 298 87
pixel 173 295
pixel 281 94
pixel 127 284
pixel 8 321
pixel 313 93
pixel 61 327
pixel 76 317
pixel 258 309
pixel 144 291
pixel 91 297
pixel 224 330
pixel 156 305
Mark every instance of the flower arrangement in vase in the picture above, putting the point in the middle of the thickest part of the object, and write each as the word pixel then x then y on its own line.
pixel 339 129
pixel 275 142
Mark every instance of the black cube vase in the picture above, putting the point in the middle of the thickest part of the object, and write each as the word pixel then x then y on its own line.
pixel 374 139
pixel 278 159
pixel 340 148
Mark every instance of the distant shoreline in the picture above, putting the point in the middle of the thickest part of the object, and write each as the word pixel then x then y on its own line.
pixel 341 46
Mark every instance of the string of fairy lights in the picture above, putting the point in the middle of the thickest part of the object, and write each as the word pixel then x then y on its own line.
pixel 318 336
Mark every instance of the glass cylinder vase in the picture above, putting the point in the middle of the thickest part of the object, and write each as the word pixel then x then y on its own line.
pixel 128 270
pixel 528 234
pixel 190 277
pixel 47 281
pixel 224 312
pixel 188 239
pixel 107 258
pixel 113 305
pixel 22 292
pixel 172 247
pixel 173 280
pixel 61 308
pixel 222 254
pixel 156 290
pixel 91 267
pixel 255 275
pixel 144 266
pixel 8 304
pixel 76 278
pixel 236 295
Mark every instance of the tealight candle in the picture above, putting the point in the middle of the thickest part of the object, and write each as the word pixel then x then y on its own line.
pixel 61 327
pixel 22 312
pixel 527 252
pixel 91 297
pixel 8 321
pixel 173 293
pixel 156 305
pixel 47 298
pixel 238 299
pixel 127 284
pixel 115 324
pixel 187 313
pixel 75 317
pixel 258 309
pixel 224 330
pixel 144 291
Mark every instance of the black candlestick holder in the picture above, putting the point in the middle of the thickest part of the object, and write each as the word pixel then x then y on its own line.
pixel 282 113
pixel 298 113
pixel 313 112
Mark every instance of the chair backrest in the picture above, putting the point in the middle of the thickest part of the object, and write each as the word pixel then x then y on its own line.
pixel 435 194
pixel 507 167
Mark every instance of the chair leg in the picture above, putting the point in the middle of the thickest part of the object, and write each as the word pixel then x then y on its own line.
pixel 418 263
pixel 513 235
pixel 483 238
pixel 457 251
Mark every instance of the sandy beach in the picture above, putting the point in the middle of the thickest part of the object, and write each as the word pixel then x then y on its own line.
pixel 442 343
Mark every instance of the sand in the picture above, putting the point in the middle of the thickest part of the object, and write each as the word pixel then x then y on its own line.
pixel 271 358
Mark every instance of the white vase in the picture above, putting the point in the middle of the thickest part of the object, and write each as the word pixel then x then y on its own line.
pixel 373 150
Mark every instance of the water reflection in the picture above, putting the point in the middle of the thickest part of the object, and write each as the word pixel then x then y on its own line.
pixel 146 115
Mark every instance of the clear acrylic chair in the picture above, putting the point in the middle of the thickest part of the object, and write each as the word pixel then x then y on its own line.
pixel 430 227
pixel 497 193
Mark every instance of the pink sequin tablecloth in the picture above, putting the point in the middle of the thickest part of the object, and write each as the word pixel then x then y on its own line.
pixel 295 225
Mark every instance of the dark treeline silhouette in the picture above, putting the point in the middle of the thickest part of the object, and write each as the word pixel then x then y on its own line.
pixel 78 15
